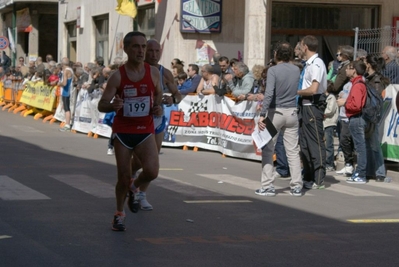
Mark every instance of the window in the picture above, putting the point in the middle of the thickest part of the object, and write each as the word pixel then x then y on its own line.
pixel 146 21
pixel 71 41
pixel 323 16
pixel 102 38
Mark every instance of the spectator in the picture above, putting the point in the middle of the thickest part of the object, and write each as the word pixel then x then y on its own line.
pixel 5 61
pixel 353 106
pixel 279 106
pixel 313 84
pixel 245 81
pixel 191 84
pixel 391 70
pixel 344 55
pixel 375 160
pixel 177 61
pixel 329 124
pixel 208 82
pixel 215 64
pixel 181 78
pixel 82 77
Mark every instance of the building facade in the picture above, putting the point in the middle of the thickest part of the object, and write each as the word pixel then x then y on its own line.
pixel 193 30
pixel 30 27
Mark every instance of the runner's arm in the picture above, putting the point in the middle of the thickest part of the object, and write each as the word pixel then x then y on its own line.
pixel 105 105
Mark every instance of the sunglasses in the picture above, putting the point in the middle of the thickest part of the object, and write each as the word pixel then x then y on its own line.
pixel 338 54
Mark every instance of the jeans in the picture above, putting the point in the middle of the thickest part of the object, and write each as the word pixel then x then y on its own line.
pixel 375 159
pixel 329 137
pixel 346 142
pixel 357 126
pixel 282 167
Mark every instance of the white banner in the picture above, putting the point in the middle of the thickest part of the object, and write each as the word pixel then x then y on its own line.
pixel 213 123
pixel 389 126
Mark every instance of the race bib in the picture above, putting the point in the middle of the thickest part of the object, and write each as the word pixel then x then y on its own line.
pixel 136 107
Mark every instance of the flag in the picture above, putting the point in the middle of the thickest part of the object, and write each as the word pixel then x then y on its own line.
pixel 127 8
pixel 11 40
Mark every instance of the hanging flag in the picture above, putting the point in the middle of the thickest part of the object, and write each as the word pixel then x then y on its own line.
pixel 11 40
pixel 127 8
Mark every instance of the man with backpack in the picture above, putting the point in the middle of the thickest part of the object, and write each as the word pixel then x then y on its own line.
pixel 354 104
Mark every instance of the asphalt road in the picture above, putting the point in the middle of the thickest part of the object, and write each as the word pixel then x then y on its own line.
pixel 57 203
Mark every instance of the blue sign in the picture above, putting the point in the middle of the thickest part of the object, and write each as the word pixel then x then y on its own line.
pixel 201 16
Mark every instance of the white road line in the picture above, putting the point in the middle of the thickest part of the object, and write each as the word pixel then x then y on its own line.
pixel 244 182
pixel 5 236
pixel 87 184
pixel 355 191
pixel 26 129
pixel 13 190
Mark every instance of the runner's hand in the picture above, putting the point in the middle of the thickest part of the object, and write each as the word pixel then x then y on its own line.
pixel 157 110
pixel 117 103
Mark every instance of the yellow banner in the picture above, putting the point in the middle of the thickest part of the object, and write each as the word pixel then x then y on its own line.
pixel 39 95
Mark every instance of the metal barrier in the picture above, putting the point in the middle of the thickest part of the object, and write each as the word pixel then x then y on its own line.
pixel 374 40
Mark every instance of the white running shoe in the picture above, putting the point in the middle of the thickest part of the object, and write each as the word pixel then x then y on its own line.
pixel 143 202
pixel 110 151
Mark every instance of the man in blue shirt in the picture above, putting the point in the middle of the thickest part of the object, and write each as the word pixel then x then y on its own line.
pixel 191 84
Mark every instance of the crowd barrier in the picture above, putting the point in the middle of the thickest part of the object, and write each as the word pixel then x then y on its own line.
pixel 209 122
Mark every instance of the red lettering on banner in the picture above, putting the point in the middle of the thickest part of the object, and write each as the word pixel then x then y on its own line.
pixel 213 120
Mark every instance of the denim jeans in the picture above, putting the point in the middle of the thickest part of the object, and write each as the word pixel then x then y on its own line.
pixel 282 167
pixel 375 159
pixel 329 137
pixel 357 126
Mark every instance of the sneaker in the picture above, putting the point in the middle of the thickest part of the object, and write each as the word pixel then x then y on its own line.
pixel 380 179
pixel 110 151
pixel 296 192
pixel 65 129
pixel 316 186
pixel 308 184
pixel 266 192
pixel 144 205
pixel 347 170
pixel 133 201
pixel 330 169
pixel 118 223
pixel 355 179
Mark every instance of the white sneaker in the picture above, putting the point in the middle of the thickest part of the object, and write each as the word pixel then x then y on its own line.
pixel 347 170
pixel 110 151
pixel 143 201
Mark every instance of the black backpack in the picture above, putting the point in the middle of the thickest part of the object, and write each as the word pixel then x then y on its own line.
pixel 372 110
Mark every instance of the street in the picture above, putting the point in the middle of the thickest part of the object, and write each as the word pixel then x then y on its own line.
pixel 57 203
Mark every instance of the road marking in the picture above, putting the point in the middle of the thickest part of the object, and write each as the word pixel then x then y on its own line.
pixel 215 201
pixel 87 184
pixel 26 129
pixel 245 183
pixel 5 236
pixel 374 221
pixel 170 169
pixel 354 191
pixel 13 190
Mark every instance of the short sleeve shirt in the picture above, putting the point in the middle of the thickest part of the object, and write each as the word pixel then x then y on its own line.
pixel 315 71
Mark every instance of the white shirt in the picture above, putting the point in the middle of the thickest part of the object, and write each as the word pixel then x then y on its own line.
pixel 315 71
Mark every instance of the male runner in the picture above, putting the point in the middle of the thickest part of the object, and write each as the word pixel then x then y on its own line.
pixel 152 57
pixel 136 96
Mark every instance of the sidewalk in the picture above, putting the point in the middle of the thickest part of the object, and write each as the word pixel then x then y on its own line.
pixel 391 166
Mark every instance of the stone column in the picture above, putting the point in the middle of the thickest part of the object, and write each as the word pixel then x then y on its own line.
pixel 255 32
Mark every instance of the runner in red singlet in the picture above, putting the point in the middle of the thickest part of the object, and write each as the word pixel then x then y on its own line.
pixel 135 93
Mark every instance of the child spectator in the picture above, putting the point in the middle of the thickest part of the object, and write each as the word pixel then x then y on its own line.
pixel 181 78
pixel 330 123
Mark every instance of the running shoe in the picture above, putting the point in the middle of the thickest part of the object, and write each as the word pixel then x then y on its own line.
pixel 144 205
pixel 118 223
pixel 65 129
pixel 133 201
